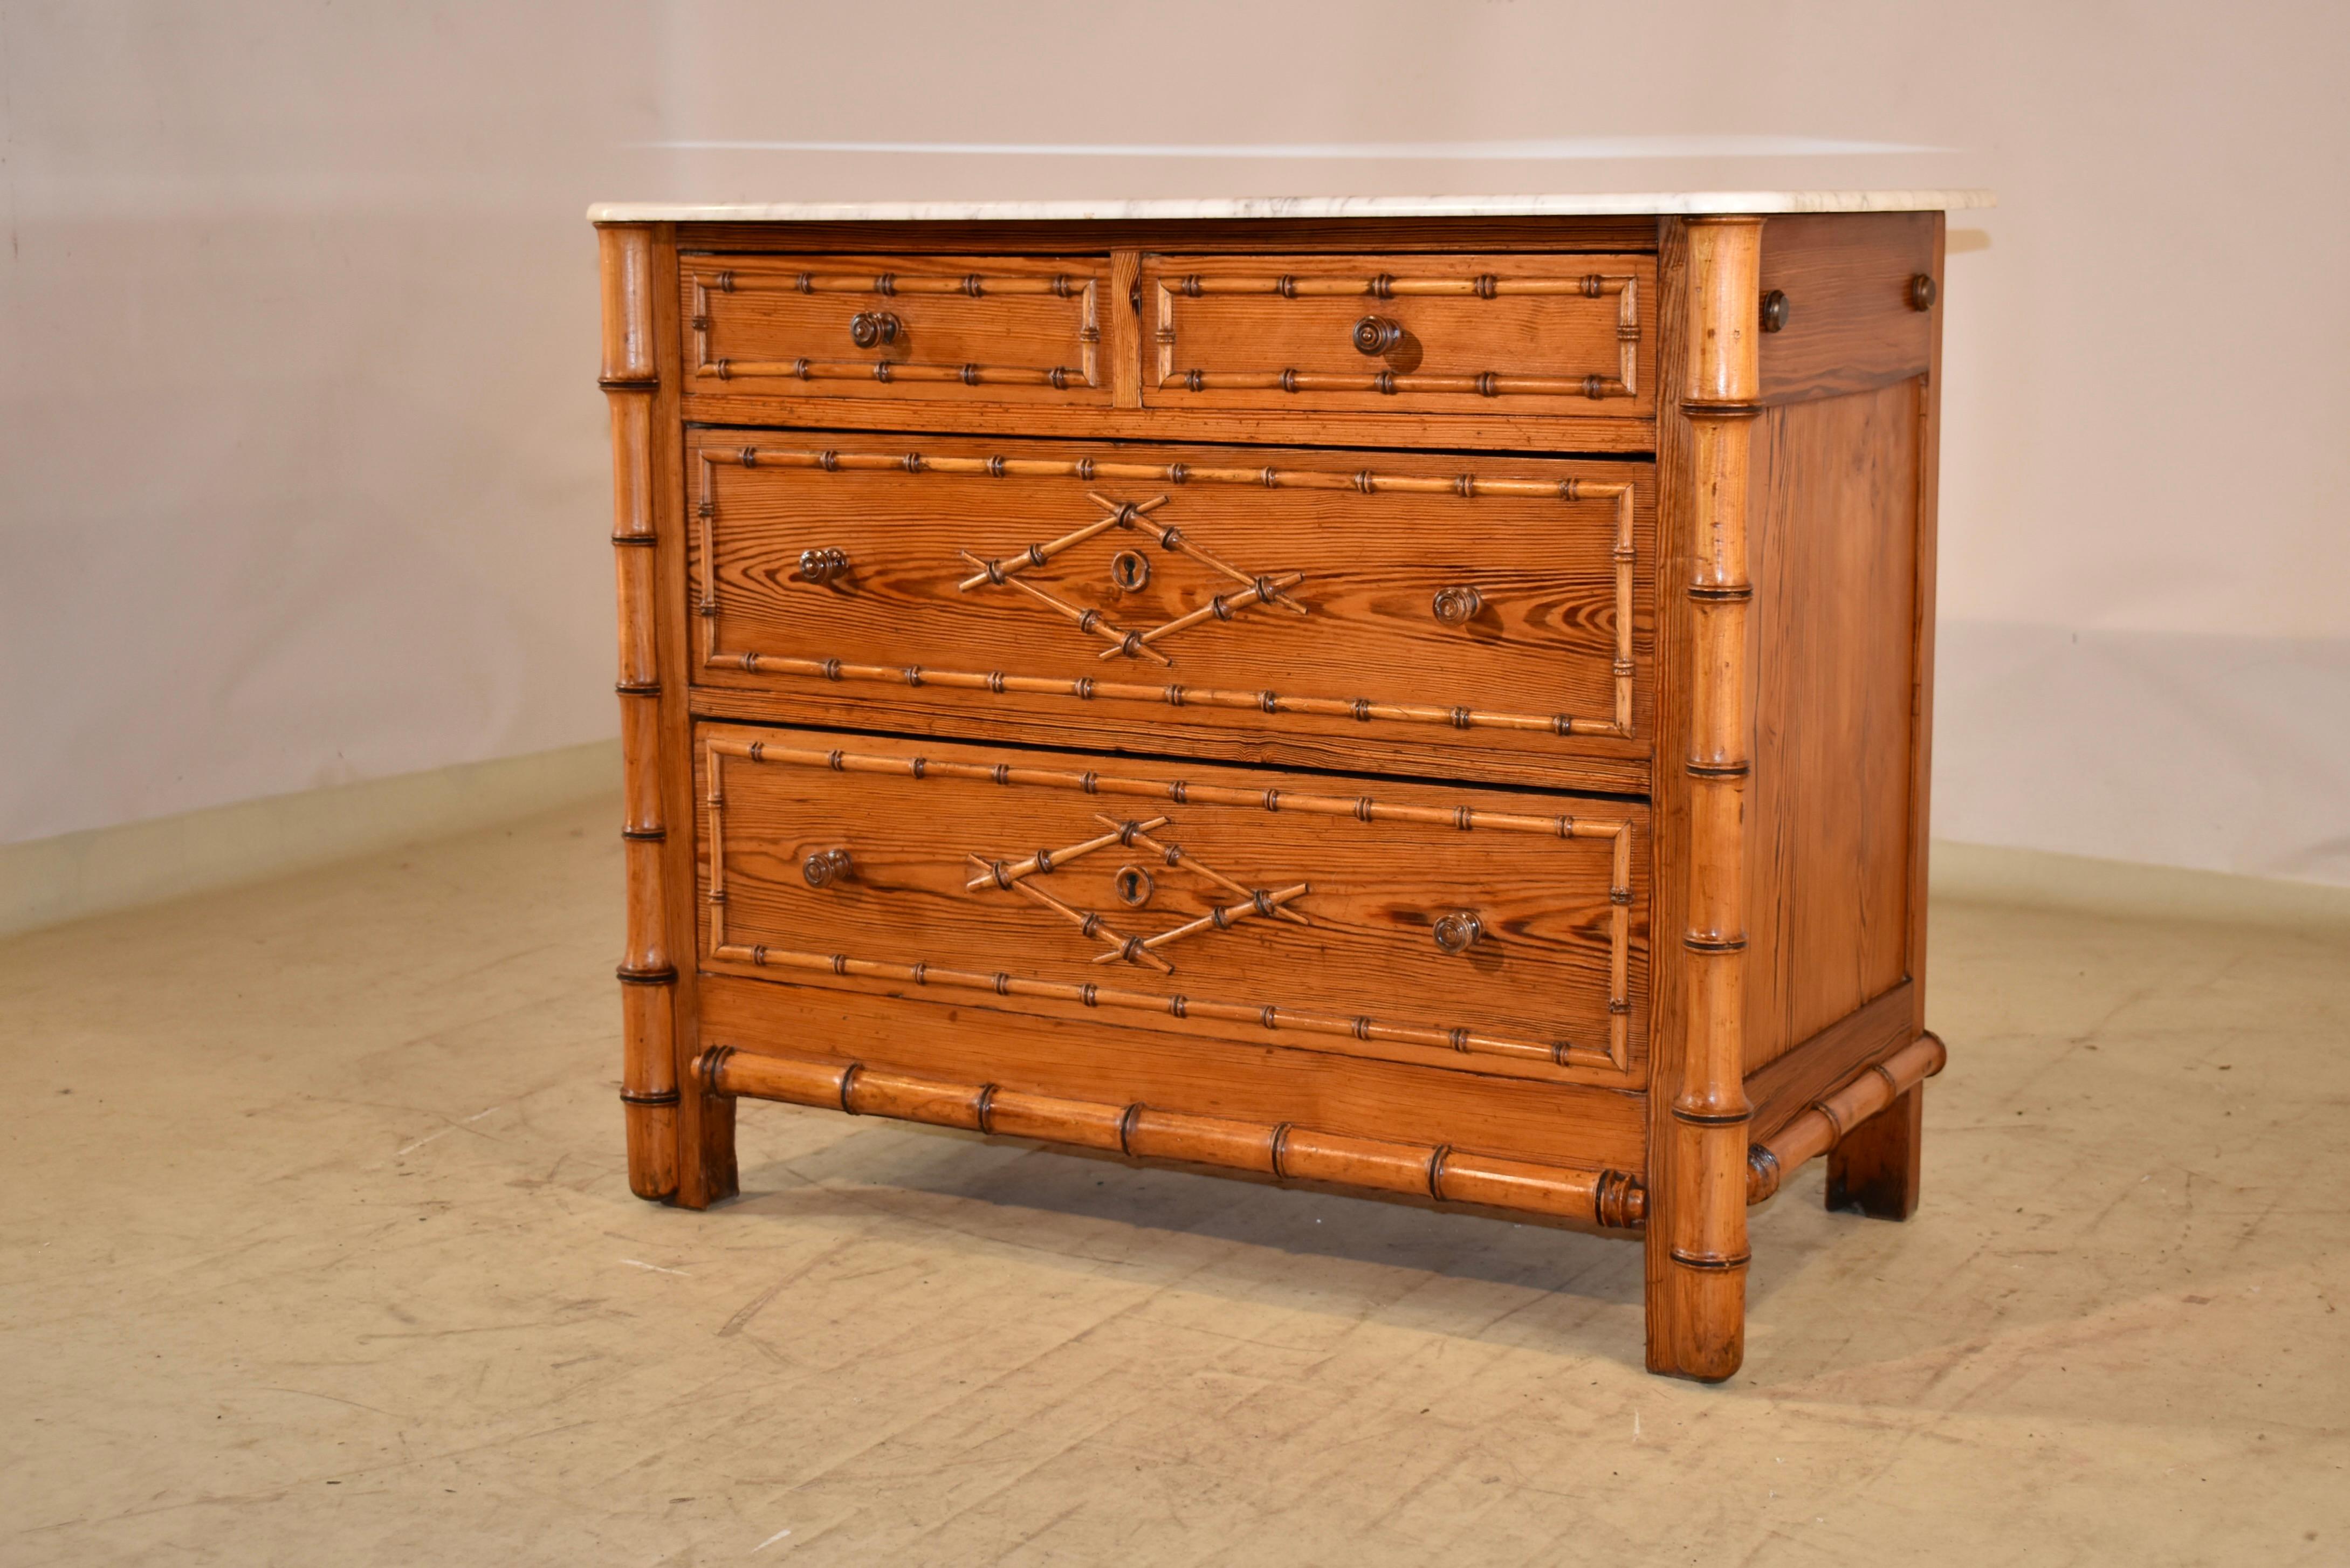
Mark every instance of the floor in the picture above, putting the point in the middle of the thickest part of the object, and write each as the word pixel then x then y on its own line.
pixel 317 1248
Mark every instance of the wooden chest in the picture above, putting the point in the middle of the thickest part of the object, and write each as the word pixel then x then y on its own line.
pixel 1434 706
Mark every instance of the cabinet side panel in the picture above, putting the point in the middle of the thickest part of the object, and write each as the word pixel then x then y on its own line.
pixel 1835 566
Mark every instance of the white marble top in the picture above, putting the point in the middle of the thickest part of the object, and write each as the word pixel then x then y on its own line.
pixel 1677 203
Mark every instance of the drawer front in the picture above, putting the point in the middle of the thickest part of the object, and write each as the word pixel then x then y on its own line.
pixel 1501 603
pixel 1459 334
pixel 1484 930
pixel 988 329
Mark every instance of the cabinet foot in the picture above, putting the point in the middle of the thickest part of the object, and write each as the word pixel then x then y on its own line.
pixel 1874 1168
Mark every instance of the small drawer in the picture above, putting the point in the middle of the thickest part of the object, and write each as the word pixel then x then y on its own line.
pixel 1436 334
pixel 988 329
pixel 1490 931
pixel 1345 606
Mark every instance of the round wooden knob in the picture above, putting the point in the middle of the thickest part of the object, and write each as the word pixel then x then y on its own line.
pixel 872 328
pixel 823 867
pixel 1457 932
pixel 823 565
pixel 1923 291
pixel 1376 334
pixel 1774 310
pixel 1457 605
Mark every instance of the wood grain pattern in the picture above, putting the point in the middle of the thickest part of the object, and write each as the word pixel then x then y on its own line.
pixel 1282 1150
pixel 1096 1058
pixel 947 893
pixel 1278 331
pixel 990 329
pixel 1835 527
pixel 1851 327
pixel 1352 651
pixel 1796 1077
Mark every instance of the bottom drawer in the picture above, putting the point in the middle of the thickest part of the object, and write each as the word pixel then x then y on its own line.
pixel 1498 932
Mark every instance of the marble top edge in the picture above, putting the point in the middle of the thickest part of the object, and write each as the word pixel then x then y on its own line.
pixel 1601 204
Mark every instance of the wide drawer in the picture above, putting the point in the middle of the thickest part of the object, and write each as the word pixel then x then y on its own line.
pixel 1370 605
pixel 1487 930
pixel 988 329
pixel 1414 334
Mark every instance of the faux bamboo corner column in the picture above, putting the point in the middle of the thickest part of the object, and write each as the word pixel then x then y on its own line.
pixel 1698 1215
pixel 631 377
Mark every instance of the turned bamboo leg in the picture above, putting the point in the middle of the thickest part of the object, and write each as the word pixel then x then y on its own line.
pixel 649 1093
pixel 1874 1168
pixel 1697 1227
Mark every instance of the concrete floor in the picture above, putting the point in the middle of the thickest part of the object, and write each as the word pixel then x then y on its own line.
pixel 318 1250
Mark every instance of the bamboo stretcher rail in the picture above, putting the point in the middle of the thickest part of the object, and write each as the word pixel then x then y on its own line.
pixel 1085 688
pixel 1825 1120
pixel 1605 1198
pixel 1363 809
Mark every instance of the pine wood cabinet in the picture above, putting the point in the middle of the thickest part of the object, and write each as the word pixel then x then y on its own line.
pixel 1435 706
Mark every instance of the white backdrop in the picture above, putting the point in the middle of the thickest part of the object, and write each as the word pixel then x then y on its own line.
pixel 302 462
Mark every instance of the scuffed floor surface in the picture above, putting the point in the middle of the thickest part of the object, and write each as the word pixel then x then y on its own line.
pixel 318 1250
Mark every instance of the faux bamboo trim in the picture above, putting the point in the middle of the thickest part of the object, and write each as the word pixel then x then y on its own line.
pixel 1697 1325
pixel 1366 482
pixel 631 377
pixel 1086 338
pixel 1819 1126
pixel 1363 809
pixel 1609 1198
pixel 1623 288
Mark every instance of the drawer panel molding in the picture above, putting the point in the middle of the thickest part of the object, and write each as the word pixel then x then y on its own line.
pixel 945 881
pixel 991 571
pixel 1438 332
pixel 985 329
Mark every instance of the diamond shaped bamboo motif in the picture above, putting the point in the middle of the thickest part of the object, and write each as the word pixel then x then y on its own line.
pixel 1255 903
pixel 1005 572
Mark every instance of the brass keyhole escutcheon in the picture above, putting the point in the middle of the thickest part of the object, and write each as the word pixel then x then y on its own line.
pixel 1133 886
pixel 1129 570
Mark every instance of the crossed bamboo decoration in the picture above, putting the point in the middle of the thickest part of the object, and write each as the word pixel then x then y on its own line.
pixel 1255 590
pixel 1254 902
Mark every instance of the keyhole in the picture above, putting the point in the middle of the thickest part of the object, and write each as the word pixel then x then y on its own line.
pixel 1133 885
pixel 1129 570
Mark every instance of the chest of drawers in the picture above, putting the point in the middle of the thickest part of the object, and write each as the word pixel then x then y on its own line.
pixel 1436 706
